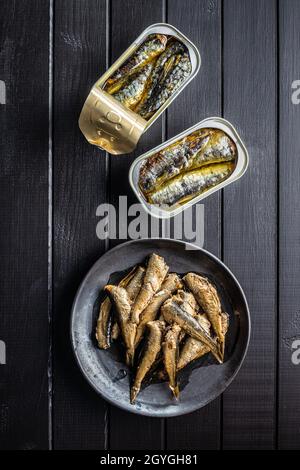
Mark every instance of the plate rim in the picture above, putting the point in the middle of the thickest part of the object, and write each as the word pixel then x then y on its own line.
pixel 143 412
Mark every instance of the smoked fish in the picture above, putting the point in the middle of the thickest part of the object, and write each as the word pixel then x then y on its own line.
pixel 203 147
pixel 194 349
pixel 179 73
pixel 207 297
pixel 171 283
pixel 131 93
pixel 170 355
pixel 106 330
pixel 149 355
pixel 154 276
pixel 122 302
pixel 164 64
pixel 179 309
pixel 188 185
pixel 152 47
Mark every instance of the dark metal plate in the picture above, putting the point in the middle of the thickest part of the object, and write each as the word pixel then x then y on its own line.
pixel 104 369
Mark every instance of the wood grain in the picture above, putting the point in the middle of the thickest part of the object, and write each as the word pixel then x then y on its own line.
pixel 289 223
pixel 201 22
pixel 79 177
pixel 250 215
pixel 24 224
pixel 247 70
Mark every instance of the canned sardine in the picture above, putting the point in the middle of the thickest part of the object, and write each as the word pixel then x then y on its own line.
pixel 189 167
pixel 138 87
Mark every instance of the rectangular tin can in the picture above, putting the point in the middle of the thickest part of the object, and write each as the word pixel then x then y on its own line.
pixel 213 122
pixel 105 122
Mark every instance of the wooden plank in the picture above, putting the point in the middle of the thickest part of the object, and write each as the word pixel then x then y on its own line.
pixel 128 20
pixel 24 224
pixel 250 215
pixel 289 222
pixel 201 22
pixel 79 176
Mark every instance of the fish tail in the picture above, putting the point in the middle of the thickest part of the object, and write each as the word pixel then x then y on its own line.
pixel 217 352
pixel 133 394
pixel 175 391
pixel 108 288
pixel 216 349
pixel 222 350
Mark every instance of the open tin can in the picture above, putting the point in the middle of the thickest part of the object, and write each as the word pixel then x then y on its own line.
pixel 241 164
pixel 111 126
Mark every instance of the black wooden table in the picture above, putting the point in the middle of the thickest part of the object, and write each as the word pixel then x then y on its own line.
pixel 52 182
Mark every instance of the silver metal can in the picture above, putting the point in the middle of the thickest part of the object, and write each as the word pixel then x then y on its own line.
pixel 241 164
pixel 105 122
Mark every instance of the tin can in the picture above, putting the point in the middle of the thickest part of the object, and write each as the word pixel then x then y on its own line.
pixel 105 122
pixel 242 161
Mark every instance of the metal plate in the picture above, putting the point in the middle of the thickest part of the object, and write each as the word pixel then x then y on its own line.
pixel 104 370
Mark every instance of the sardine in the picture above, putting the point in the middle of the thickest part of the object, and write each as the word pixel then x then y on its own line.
pixel 146 52
pixel 171 283
pixel 122 302
pixel 225 326
pixel 106 330
pixel 132 286
pixel 170 161
pixel 103 328
pixel 155 274
pixel 179 309
pixel 218 148
pixel 170 355
pixel 225 322
pixel 180 72
pixel 188 299
pixel 181 336
pixel 207 297
pixel 162 68
pixel 132 90
pixel 193 348
pixel 202 147
pixel 149 355
pixel 115 331
pixel 184 187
